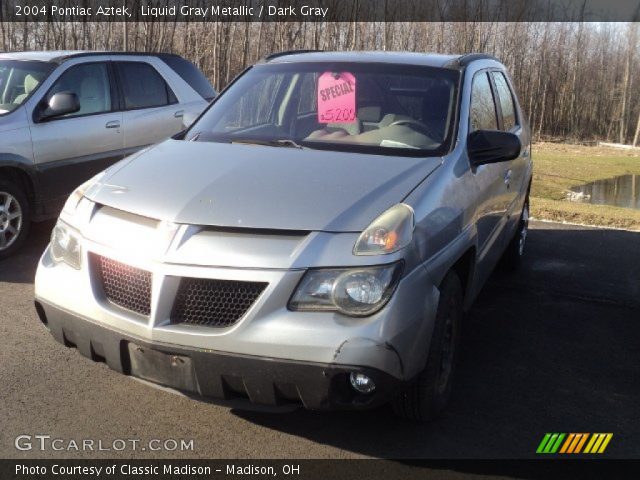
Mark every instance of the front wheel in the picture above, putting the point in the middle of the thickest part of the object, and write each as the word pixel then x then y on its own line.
pixel 428 395
pixel 14 218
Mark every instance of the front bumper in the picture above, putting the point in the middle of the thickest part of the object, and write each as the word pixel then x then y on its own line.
pixel 270 353
pixel 261 380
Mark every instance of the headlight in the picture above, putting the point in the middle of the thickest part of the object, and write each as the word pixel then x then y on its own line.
pixel 388 233
pixel 65 245
pixel 74 199
pixel 353 291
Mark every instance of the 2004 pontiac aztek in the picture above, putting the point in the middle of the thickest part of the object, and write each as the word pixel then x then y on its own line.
pixel 314 237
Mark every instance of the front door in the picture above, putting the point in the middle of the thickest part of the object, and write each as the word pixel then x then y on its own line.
pixel 514 171
pixel 489 179
pixel 72 148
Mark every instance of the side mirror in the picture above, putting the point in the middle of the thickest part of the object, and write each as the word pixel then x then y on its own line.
pixel 61 103
pixel 188 118
pixel 492 146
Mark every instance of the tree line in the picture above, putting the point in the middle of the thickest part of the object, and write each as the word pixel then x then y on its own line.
pixel 577 81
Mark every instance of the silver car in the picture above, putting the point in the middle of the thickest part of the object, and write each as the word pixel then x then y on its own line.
pixel 67 115
pixel 313 238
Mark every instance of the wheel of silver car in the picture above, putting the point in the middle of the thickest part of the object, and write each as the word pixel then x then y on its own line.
pixel 523 228
pixel 447 347
pixel 514 253
pixel 10 219
pixel 14 218
pixel 428 395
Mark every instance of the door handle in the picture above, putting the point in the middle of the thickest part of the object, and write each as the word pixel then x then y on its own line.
pixel 507 177
pixel 179 114
pixel 113 124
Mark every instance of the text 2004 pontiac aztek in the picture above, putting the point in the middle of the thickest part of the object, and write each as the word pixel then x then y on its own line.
pixel 314 237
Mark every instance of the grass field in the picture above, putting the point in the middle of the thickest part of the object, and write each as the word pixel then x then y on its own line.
pixel 558 167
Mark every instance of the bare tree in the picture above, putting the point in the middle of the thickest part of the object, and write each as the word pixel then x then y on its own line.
pixel 577 81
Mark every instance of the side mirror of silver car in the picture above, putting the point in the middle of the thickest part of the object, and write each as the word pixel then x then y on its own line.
pixel 492 146
pixel 62 103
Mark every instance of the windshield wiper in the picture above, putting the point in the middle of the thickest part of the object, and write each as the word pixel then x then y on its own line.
pixel 283 142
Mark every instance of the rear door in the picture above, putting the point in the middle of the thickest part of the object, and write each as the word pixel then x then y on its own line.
pixel 70 149
pixel 151 111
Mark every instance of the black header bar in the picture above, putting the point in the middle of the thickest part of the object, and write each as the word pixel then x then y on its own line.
pixel 320 10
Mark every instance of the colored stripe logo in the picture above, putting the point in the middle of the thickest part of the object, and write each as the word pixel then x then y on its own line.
pixel 574 443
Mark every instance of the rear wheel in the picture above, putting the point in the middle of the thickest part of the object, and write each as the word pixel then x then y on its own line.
pixel 512 257
pixel 14 218
pixel 428 395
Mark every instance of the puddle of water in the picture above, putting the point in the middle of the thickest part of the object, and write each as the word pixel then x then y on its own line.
pixel 623 191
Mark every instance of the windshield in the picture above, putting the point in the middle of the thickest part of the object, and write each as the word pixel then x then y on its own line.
pixel 386 109
pixel 18 80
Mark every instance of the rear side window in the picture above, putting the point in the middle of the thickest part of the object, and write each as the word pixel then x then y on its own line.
pixel 143 86
pixel 483 109
pixel 190 74
pixel 506 101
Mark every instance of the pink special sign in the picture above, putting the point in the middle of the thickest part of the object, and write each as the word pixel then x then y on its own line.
pixel 336 98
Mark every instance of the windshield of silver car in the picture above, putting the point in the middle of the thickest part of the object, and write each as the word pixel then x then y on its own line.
pixel 18 80
pixel 389 109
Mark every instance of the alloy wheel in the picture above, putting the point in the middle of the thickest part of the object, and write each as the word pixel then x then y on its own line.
pixel 10 220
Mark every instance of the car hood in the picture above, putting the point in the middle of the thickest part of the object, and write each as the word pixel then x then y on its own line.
pixel 262 187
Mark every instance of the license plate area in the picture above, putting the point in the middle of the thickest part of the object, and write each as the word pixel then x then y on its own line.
pixel 175 371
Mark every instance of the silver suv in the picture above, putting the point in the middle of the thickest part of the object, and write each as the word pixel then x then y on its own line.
pixel 314 237
pixel 65 116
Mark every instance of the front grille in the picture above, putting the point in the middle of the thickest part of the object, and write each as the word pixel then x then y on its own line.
pixel 123 285
pixel 215 303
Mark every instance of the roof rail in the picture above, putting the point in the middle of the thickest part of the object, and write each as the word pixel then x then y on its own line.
pixel 68 56
pixel 467 58
pixel 271 56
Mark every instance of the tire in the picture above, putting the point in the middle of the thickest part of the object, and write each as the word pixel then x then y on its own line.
pixel 15 218
pixel 512 257
pixel 429 393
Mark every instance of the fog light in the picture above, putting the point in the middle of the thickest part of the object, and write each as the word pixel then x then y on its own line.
pixel 361 383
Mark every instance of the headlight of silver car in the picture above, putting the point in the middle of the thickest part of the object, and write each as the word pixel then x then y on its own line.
pixel 390 232
pixel 65 245
pixel 353 291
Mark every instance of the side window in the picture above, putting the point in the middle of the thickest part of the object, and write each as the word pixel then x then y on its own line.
pixel 143 86
pixel 506 101
pixel 190 74
pixel 483 110
pixel 90 82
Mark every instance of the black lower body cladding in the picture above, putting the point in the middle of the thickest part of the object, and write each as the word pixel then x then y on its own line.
pixel 221 375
